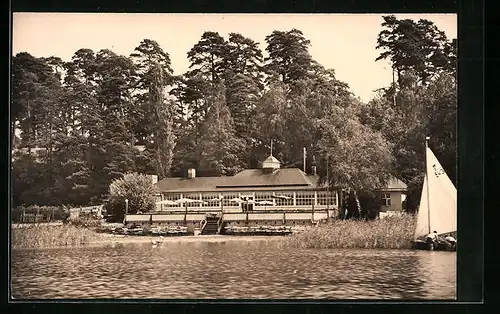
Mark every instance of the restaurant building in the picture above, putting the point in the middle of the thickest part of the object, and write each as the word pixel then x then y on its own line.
pixel 269 195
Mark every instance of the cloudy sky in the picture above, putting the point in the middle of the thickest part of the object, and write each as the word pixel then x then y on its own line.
pixel 344 42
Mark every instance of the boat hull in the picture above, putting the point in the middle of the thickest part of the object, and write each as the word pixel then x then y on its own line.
pixel 429 246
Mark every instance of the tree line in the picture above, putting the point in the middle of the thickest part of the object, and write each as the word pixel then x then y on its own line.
pixel 100 115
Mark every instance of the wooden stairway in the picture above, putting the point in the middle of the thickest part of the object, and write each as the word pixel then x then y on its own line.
pixel 211 225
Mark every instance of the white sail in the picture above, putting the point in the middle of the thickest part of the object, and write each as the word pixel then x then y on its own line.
pixel 422 227
pixel 438 203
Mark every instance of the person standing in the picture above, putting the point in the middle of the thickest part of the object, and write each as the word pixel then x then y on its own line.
pixel 433 236
pixel 432 240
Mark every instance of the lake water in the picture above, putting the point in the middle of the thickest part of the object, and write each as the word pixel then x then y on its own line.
pixel 231 270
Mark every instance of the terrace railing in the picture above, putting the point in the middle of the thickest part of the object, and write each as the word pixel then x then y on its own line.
pixel 219 223
pixel 203 224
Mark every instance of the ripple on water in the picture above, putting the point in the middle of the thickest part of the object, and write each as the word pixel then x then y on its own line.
pixel 234 270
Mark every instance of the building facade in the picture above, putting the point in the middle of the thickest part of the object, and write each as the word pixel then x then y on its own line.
pixel 270 195
pixel 393 198
pixel 266 190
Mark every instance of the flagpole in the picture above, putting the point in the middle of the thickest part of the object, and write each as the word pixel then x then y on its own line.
pixel 427 176
pixel 305 159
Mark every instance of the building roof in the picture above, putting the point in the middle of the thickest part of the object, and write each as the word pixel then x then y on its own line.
pixel 189 185
pixel 396 185
pixel 279 177
pixel 251 179
pixel 315 180
pixel 254 180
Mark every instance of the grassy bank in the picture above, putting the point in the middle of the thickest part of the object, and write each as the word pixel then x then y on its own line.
pixel 37 236
pixel 387 233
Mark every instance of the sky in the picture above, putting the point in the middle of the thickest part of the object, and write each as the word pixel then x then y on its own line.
pixel 343 42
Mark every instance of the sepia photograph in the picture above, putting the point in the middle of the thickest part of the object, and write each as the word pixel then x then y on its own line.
pixel 233 156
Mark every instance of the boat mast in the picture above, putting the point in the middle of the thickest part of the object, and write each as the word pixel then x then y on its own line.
pixel 427 187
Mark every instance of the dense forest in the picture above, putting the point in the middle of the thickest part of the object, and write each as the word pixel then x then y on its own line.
pixel 90 120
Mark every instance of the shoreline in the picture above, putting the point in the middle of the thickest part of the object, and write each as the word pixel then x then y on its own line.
pixel 113 239
pixel 31 236
pixel 388 233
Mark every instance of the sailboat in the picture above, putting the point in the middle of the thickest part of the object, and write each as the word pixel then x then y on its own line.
pixel 438 205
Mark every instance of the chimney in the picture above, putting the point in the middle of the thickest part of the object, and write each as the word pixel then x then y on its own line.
pixel 191 173
pixel 154 179
pixel 313 166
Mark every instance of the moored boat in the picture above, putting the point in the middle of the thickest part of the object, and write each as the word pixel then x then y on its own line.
pixel 438 207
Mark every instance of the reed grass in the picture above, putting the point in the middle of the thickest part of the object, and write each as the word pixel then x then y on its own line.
pixel 38 236
pixel 388 233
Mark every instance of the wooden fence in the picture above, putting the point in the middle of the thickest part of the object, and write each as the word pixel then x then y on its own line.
pixel 34 218
pixel 86 212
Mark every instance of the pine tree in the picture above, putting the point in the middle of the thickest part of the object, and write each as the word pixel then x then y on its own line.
pixel 415 45
pixel 220 149
pixel 208 57
pixel 244 57
pixel 288 55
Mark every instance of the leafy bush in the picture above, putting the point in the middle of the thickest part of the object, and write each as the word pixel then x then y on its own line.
pixel 139 191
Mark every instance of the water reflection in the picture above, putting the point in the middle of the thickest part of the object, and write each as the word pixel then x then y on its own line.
pixel 233 270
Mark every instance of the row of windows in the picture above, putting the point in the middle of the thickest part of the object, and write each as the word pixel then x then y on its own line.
pixel 278 199
pixel 281 199
pixel 302 199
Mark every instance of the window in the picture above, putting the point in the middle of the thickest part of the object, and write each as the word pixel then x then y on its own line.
pixel 208 198
pixel 172 197
pixel 386 199
pixel 266 196
pixel 193 196
pixel 326 198
pixel 227 199
pixel 284 201
pixel 247 201
pixel 304 198
pixel 245 196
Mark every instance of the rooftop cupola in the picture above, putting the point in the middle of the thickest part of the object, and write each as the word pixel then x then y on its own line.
pixel 271 163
